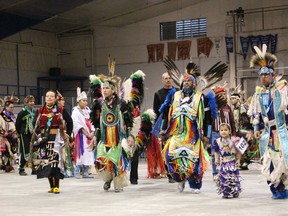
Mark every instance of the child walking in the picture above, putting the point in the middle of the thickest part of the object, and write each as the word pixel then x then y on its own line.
pixel 227 158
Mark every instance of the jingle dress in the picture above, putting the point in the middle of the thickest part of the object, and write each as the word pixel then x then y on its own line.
pixel 228 179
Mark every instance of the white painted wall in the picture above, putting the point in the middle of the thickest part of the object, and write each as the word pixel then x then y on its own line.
pixel 128 44
pixel 37 52
pixel 83 55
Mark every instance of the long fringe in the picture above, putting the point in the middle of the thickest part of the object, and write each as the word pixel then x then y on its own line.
pixel 155 163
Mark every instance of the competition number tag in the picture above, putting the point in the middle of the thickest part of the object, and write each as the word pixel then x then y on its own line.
pixel 242 145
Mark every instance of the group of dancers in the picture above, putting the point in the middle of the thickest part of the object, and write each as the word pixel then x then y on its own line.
pixel 188 121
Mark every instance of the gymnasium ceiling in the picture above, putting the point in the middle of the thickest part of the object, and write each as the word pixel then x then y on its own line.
pixel 68 16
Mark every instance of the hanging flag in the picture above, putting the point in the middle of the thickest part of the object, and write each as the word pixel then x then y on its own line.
pixel 245 42
pixel 254 41
pixel 273 43
pixel 229 45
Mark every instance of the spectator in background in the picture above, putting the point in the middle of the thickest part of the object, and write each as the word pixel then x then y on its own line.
pixel 24 127
pixel 159 98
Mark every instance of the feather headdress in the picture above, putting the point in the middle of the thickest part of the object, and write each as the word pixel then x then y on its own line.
pixel 131 90
pixel 111 66
pixel 220 99
pixel 236 92
pixel 1 102
pixel 193 69
pixel 59 96
pixel 81 95
pixel 12 98
pixel 137 90
pixel 95 87
pixel 114 81
pixel 266 61
pixel 97 82
pixel 147 121
pixel 212 76
pixel 173 71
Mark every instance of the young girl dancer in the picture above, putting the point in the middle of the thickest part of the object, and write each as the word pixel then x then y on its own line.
pixel 227 157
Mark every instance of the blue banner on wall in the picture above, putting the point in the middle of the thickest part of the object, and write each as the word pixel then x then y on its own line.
pixel 254 41
pixel 273 43
pixel 265 39
pixel 229 45
pixel 245 43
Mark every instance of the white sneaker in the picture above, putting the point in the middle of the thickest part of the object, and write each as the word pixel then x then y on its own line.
pixel 181 186
pixel 195 191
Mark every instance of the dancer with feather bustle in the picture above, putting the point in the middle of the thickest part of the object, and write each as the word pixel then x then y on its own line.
pixel 112 118
pixel 184 127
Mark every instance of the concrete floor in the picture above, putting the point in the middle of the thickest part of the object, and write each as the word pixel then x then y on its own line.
pixel 25 195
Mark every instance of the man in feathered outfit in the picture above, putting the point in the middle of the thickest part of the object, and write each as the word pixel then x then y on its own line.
pixel 112 118
pixel 269 114
pixel 186 128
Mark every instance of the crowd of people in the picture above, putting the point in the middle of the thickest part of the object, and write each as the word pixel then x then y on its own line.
pixel 185 132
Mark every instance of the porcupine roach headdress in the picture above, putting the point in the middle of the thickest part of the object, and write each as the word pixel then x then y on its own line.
pixel 266 61
pixel 132 90
pixel 97 82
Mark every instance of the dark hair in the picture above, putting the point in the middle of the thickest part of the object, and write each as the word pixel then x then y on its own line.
pixel 7 103
pixel 225 124
pixel 52 91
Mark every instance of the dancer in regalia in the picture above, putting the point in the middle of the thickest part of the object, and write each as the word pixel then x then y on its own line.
pixel 24 127
pixel 269 113
pixel 84 133
pixel 49 138
pixel 186 124
pixel 8 135
pixel 112 118
pixel 228 158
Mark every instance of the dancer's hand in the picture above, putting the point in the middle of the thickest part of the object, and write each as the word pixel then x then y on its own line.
pixel 131 141
pixel 238 163
pixel 217 161
pixel 93 143
pixel 90 135
pixel 257 135
pixel 250 136
pixel 205 141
